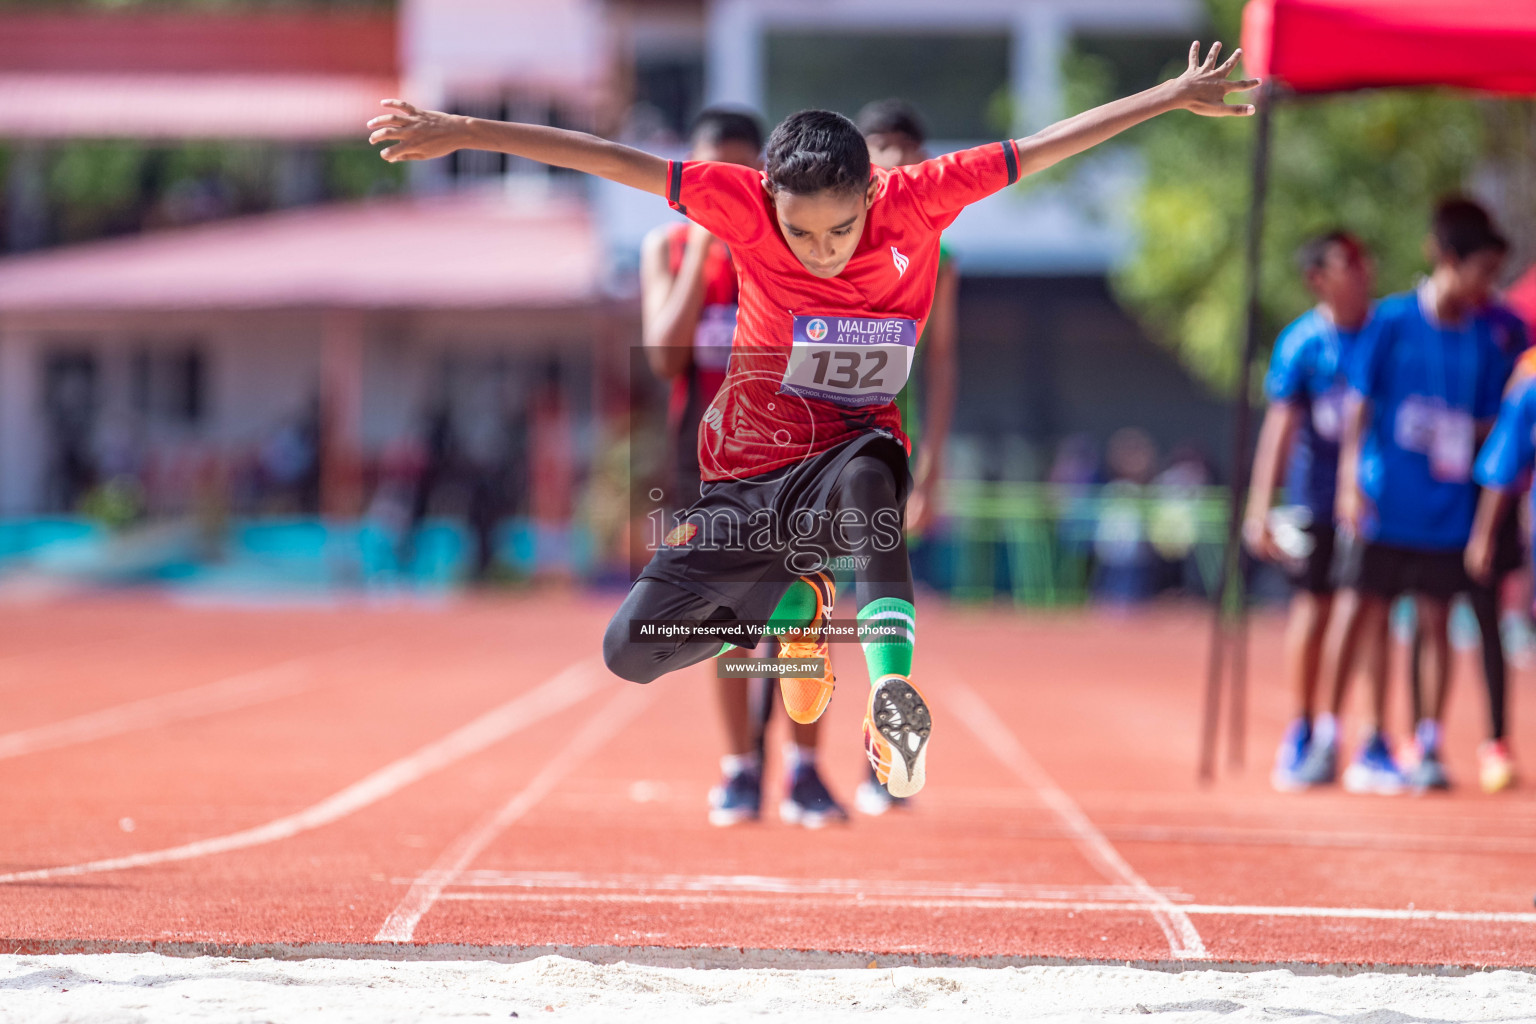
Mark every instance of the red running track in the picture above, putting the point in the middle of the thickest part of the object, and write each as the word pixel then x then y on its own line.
pixel 396 780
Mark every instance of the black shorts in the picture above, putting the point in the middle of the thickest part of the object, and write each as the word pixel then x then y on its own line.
pixel 1314 573
pixel 743 543
pixel 1381 570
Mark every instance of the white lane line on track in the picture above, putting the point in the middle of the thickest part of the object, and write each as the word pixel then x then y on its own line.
pixel 1076 906
pixel 569 687
pixel 400 926
pixel 795 886
pixel 1183 940
pixel 227 694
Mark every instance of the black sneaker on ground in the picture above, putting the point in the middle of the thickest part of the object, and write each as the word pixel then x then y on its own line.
pixel 737 798
pixel 808 801
pixel 1429 774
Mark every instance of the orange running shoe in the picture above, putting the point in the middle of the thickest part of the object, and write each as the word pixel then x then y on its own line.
pixel 896 727
pixel 806 698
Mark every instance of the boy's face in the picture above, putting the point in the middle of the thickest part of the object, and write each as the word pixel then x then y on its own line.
pixel 893 149
pixel 822 230
pixel 1345 280
pixel 725 151
pixel 1474 277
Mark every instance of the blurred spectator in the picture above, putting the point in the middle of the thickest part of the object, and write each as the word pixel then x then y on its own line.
pixel 1076 463
pixel 289 461
pixel 553 475
pixel 1174 522
pixel 1131 456
pixel 1126 569
pixel 1187 469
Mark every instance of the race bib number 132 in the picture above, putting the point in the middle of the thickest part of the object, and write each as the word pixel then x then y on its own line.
pixel 849 360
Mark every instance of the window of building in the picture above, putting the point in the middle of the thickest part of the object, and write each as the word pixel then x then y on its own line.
pixel 958 81
pixel 170 385
pixel 672 86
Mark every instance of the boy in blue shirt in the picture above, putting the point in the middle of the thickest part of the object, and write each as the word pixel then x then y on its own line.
pixel 1506 556
pixel 1299 441
pixel 1425 381
pixel 1504 470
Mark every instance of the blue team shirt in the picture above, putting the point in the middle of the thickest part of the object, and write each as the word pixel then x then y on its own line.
pixel 1511 447
pixel 1506 457
pixel 1509 331
pixel 1422 379
pixel 1307 370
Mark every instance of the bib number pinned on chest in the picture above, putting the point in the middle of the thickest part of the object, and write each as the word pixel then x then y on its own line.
pixel 1448 437
pixel 852 361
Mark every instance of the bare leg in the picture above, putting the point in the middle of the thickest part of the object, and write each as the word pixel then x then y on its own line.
pixel 1434 614
pixel 735 716
pixel 805 735
pixel 1374 639
pixel 1304 645
pixel 1370 628
pixel 1339 643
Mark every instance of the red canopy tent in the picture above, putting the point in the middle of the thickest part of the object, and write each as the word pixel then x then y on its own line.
pixel 1319 46
pixel 1331 45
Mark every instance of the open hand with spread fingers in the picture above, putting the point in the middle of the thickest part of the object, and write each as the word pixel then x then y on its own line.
pixel 1203 88
pixel 416 134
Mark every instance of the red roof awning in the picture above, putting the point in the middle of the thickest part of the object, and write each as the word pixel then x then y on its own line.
pixel 1328 45
pixel 296 42
pixel 292 75
pixel 456 252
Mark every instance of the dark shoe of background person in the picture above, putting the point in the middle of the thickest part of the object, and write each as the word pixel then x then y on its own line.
pixel 1429 774
pixel 1321 768
pixel 737 798
pixel 808 801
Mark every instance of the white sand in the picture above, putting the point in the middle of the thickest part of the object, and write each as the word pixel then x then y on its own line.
pixel 123 987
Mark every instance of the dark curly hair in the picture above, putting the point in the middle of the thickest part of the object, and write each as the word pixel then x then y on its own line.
pixel 817 151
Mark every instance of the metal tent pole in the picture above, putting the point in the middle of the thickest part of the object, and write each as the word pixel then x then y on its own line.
pixel 1231 588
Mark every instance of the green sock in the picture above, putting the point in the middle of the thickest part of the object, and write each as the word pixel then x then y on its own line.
pixel 795 609
pixel 888 651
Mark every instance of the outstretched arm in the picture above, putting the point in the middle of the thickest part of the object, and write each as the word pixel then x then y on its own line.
pixel 1202 88
pixel 425 134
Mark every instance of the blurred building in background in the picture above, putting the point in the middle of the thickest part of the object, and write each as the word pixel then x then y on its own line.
pixel 215 291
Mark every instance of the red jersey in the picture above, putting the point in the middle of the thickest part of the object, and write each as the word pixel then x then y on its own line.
pixel 817 361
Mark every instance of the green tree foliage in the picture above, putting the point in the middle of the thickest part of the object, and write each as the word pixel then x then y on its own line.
pixel 97 187
pixel 1370 162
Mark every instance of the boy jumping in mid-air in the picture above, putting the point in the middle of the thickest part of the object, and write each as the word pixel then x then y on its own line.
pixel 802 451
pixel 688 312
pixel 1300 441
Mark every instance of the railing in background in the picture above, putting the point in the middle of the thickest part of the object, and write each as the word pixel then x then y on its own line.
pixel 1059 545
pixel 1036 545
